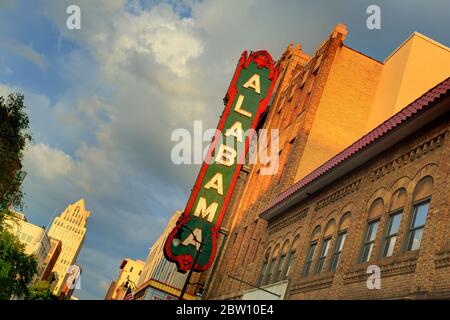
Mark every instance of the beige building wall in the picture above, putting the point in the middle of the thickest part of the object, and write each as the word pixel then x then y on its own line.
pixel 110 291
pixel 156 265
pixel 130 270
pixel 360 93
pixel 417 65
pixel 343 111
pixel 33 237
pixel 70 229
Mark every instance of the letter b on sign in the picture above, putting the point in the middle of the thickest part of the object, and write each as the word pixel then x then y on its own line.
pixel 73 21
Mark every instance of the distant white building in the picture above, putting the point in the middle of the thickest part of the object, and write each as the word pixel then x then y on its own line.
pixel 33 237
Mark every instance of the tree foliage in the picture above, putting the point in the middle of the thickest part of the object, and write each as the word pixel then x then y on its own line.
pixel 16 268
pixel 12 111
pixel 14 124
pixel 41 290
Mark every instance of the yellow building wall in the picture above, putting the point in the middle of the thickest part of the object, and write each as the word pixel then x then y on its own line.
pixel 360 93
pixel 417 65
pixel 131 271
pixel 344 108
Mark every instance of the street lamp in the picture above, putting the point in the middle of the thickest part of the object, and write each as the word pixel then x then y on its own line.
pixel 129 282
pixel 176 242
pixel 129 285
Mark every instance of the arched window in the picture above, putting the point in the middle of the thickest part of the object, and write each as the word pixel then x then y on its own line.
pixel 281 261
pixel 393 222
pixel 340 241
pixel 275 254
pixel 291 256
pixel 421 203
pixel 328 235
pixel 312 248
pixel 263 268
pixel 375 211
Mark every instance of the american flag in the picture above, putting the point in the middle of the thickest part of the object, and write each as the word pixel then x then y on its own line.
pixel 128 295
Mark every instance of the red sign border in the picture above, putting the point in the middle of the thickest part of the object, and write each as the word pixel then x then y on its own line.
pixel 263 59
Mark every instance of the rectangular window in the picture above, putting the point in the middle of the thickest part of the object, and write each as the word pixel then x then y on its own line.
pixel 417 225
pixel 391 234
pixel 323 254
pixel 309 258
pixel 338 249
pixel 369 241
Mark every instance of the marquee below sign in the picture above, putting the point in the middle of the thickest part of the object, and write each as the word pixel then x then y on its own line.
pixel 248 96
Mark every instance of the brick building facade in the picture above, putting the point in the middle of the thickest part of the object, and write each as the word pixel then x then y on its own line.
pixel 391 211
pixel 274 231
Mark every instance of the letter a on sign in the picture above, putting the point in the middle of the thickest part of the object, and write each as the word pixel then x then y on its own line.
pixel 248 95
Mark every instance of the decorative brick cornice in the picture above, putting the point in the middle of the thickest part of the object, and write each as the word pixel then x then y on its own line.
pixel 442 259
pixel 311 66
pixel 313 284
pixel 289 220
pixel 365 144
pixel 410 156
pixel 388 270
pixel 341 193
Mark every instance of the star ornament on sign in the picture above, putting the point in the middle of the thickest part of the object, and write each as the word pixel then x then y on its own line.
pixel 262 61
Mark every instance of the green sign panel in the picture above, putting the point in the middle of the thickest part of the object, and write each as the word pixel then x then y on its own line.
pixel 197 229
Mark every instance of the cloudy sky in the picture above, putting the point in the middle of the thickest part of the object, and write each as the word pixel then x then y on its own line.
pixel 104 100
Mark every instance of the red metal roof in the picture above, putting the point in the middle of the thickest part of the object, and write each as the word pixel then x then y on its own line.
pixel 406 113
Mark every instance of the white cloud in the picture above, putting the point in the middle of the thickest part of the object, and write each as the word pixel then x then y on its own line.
pixel 27 52
pixel 5 90
pixel 46 162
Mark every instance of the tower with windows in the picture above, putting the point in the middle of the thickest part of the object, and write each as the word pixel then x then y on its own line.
pixel 70 229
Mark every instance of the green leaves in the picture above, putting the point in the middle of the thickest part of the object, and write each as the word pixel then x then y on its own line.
pixel 16 268
pixel 41 290
pixel 14 123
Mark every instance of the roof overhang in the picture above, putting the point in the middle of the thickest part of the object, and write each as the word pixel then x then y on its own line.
pixel 388 140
